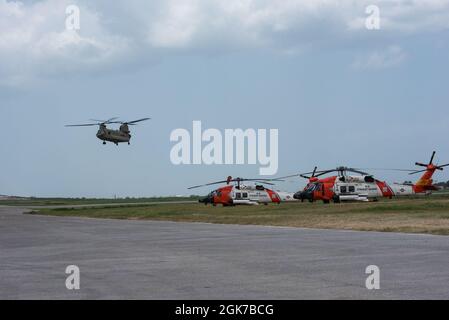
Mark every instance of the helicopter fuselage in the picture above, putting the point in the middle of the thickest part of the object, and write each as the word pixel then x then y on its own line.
pixel 358 188
pixel 123 134
pixel 115 136
pixel 245 195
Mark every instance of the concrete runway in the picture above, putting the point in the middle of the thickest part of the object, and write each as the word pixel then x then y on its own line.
pixel 117 204
pixel 167 260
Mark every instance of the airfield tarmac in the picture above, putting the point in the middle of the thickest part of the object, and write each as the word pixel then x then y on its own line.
pixel 125 259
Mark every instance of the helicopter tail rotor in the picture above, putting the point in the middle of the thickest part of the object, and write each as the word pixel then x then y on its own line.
pixel 429 166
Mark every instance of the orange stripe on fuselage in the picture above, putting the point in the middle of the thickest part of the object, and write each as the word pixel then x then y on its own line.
pixel 273 196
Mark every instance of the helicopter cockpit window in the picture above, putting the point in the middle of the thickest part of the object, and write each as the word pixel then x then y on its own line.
pixel 259 187
pixel 313 187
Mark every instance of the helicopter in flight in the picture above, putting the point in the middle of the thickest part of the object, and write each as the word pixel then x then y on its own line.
pixel 241 194
pixel 361 186
pixel 123 134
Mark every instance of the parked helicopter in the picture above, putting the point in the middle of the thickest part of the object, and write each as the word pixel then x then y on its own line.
pixel 363 186
pixel 240 194
pixel 123 134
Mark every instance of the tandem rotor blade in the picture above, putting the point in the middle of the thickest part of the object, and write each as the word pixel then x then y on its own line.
pixel 132 122
pixel 139 120
pixel 98 122
pixel 82 125
pixel 104 121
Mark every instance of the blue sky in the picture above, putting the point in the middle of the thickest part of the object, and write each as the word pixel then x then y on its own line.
pixel 338 93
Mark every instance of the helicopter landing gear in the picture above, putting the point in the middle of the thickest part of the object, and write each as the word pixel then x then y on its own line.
pixel 104 142
pixel 129 143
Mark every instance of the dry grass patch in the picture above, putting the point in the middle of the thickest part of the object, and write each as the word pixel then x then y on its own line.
pixel 415 215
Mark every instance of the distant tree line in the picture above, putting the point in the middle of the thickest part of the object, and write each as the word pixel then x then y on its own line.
pixel 444 185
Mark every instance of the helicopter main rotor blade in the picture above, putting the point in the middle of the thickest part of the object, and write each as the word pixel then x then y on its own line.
pixel 82 125
pixel 321 173
pixel 261 180
pixel 433 156
pixel 387 169
pixel 421 164
pixel 208 184
pixel 104 121
pixel 290 176
pixel 135 121
pixel 307 175
pixel 264 182
pixel 418 171
pixel 356 170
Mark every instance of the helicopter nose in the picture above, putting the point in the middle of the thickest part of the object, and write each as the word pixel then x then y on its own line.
pixel 205 200
pixel 298 195
pixel 302 195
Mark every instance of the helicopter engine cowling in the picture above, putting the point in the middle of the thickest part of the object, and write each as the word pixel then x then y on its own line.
pixel 124 128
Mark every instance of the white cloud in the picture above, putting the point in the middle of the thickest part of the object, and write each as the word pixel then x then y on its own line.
pixel 177 26
pixel 390 57
pixel 34 42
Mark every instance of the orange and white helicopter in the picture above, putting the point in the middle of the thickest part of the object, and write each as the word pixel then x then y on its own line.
pixel 363 186
pixel 241 194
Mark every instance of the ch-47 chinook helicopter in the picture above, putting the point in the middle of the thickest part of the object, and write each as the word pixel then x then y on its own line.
pixel 123 134
pixel 362 186
pixel 241 194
